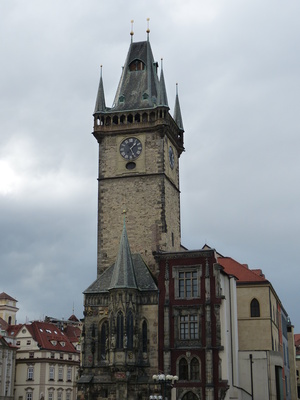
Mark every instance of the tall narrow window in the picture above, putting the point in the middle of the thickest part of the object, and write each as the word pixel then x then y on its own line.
pixel 195 376
pixel 120 330
pixel 145 336
pixel 51 373
pixel 129 330
pixel 60 373
pixel 183 370
pixel 254 308
pixel 29 395
pixel 103 340
pixel 30 373
pixel 69 374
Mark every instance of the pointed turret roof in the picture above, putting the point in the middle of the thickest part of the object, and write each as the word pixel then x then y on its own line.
pixel 177 112
pixel 123 275
pixel 162 94
pixel 100 101
pixel 139 86
pixel 128 272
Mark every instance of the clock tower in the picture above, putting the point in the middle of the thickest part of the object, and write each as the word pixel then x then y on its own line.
pixel 140 144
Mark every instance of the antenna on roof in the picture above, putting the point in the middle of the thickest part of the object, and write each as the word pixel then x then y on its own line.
pixel 148 29
pixel 132 33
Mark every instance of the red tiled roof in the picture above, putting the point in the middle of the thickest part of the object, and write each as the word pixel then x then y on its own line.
pixel 73 333
pixel 50 337
pixel 241 271
pixel 4 296
pixel 73 318
pixel 3 324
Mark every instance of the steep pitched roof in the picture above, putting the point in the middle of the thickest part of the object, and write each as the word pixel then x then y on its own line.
pixel 3 324
pixel 5 296
pixel 162 99
pixel 138 87
pixel 100 101
pixel 177 111
pixel 49 337
pixel 123 275
pixel 241 271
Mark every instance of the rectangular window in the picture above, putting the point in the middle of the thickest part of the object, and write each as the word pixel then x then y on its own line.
pixel 59 395
pixel 187 284
pixel 189 327
pixel 51 374
pixel 29 396
pixel 50 395
pixel 31 354
pixel 28 342
pixel 69 374
pixel 52 355
pixel 68 395
pixel 30 373
pixel 60 373
pixel 70 357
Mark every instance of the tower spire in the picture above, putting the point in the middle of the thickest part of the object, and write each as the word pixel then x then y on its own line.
pixel 162 93
pixel 100 101
pixel 177 112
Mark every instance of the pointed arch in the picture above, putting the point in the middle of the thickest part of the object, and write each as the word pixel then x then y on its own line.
pixel 195 369
pixel 120 330
pixel 145 336
pixel 183 369
pixel 129 330
pixel 102 340
pixel 254 308
pixel 190 396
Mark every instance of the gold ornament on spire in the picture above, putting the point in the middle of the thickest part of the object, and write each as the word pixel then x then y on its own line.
pixel 132 33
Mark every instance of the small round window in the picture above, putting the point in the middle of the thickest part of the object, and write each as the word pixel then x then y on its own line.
pixel 130 165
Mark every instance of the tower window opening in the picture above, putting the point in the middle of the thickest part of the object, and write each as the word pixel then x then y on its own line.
pixel 130 118
pixel 137 65
pixel 115 120
pixel 137 118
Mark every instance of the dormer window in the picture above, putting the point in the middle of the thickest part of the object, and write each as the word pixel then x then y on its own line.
pixel 122 99
pixel 137 65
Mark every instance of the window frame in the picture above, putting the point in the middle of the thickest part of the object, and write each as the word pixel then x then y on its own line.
pixel 187 287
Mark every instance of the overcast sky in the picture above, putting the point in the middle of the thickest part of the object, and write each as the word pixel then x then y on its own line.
pixel 237 64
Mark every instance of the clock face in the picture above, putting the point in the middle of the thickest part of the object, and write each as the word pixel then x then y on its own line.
pixel 171 157
pixel 130 148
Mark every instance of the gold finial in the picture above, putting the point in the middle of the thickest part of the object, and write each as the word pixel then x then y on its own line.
pixel 132 33
pixel 148 29
pixel 124 211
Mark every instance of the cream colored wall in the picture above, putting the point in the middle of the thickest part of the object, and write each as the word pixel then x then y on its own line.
pixel 257 333
pixel 41 362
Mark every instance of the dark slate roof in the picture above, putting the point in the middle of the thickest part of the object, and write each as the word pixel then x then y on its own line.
pixel 139 89
pixel 143 277
pixel 177 112
pixel 123 275
pixel 100 101
pixel 162 94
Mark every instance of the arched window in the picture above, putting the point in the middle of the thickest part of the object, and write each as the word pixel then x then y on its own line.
pixel 195 370
pixel 254 308
pixel 183 370
pixel 129 330
pixel 103 340
pixel 190 396
pixel 136 65
pixel 144 336
pixel 120 330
